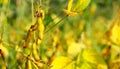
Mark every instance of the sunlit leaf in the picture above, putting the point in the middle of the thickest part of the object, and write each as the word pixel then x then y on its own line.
pixel 4 50
pixel 62 63
pixel 114 62
pixel 92 56
pixel 80 5
pixel 91 59
pixel 74 48
pixel 87 66
pixel 76 6
pixel 114 33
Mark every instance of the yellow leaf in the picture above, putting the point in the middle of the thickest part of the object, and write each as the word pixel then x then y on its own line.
pixel 74 48
pixel 62 62
pixel 90 59
pixel 115 34
pixel 87 66
pixel 80 5
pixel 76 6
pixel 4 50
pixel 77 68
pixel 114 61
pixel 90 55
pixel 69 5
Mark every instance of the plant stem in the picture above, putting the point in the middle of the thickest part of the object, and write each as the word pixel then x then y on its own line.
pixel 32 9
pixel 55 24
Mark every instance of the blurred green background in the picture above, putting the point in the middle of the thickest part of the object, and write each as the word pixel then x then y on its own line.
pixel 90 27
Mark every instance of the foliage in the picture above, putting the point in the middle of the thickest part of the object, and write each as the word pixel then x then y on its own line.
pixel 59 34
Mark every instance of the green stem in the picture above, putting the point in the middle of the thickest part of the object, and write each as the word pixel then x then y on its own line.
pixel 55 24
pixel 32 9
